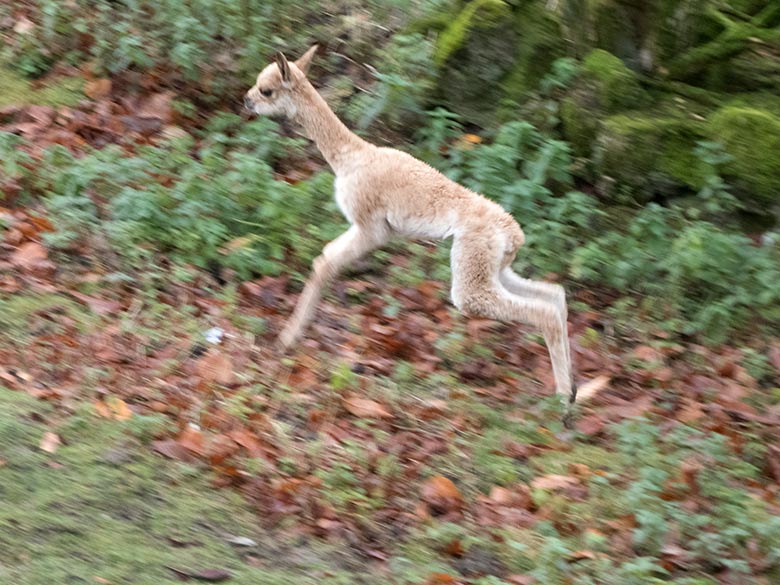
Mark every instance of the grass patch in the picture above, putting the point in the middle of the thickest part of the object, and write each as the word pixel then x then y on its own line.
pixel 17 90
pixel 103 506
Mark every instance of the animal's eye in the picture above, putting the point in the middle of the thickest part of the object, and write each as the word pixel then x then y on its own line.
pixel 267 92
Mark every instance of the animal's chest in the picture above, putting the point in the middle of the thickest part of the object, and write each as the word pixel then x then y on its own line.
pixel 345 197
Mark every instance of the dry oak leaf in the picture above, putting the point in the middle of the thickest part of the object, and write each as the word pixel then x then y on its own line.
pixel 102 409
pixel 590 425
pixel 191 438
pixel 517 497
pixel 97 305
pixel 581 555
pixel 364 407
pixel 440 579
pixel 113 407
pixel 173 450
pixel 520 579
pixel 28 255
pixel 592 387
pixel 554 482
pixel 98 89
pixel 158 106
pixel 216 367
pixel 50 442
pixel 119 408
pixel 442 495
pixel 23 26
pixel 219 448
pixel 248 441
pixel 15 378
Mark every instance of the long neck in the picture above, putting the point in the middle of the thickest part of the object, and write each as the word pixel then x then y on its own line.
pixel 334 140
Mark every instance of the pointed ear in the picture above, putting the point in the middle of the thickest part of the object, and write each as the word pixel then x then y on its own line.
pixel 284 67
pixel 304 60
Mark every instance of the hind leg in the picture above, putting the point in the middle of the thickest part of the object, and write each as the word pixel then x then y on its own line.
pixel 477 291
pixel 535 289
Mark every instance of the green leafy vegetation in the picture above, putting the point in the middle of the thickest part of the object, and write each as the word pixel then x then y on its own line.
pixel 246 219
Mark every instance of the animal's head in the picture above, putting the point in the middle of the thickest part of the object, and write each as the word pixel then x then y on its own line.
pixel 274 92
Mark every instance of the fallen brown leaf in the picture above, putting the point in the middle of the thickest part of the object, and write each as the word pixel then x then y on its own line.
pixel 580 555
pixel 50 442
pixel 690 412
pixel 441 495
pixel 191 438
pixel 364 407
pixel 517 497
pixel 554 482
pixel 219 448
pixel 590 425
pixel 647 354
pixel 113 407
pixel 593 387
pixel 248 441
pixel 23 26
pixel 773 462
pixel 216 367
pixel 209 575
pixel 520 579
pixel 629 409
pixel 97 89
pixel 158 106
pixel 119 408
pixel 29 254
pixel 97 305
pixel 173 450
pixel 440 579
pixel 500 495
pixel 15 378
pixel 102 409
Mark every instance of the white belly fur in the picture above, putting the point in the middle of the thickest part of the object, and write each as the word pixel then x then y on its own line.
pixel 400 220
pixel 421 227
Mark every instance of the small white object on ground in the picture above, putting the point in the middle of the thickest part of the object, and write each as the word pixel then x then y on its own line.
pixel 214 335
pixel 241 541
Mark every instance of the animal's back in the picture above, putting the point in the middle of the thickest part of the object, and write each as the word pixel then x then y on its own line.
pixel 418 200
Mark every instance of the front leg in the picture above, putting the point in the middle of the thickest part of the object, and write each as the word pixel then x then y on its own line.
pixel 338 254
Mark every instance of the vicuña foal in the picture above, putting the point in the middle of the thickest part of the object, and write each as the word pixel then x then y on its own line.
pixel 384 192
